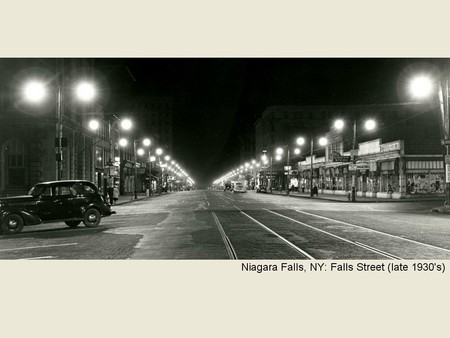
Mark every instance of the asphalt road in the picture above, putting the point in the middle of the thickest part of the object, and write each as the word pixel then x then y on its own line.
pixel 204 224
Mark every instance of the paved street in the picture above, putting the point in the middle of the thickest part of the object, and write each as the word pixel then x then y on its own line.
pixel 206 224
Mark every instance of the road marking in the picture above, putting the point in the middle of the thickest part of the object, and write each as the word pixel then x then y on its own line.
pixel 37 247
pixel 228 198
pixel 292 245
pixel 367 247
pixel 226 240
pixel 377 231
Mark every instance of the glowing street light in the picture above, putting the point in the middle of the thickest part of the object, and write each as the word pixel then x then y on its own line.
pixel 94 124
pixel 123 142
pixel 421 87
pixel 126 124
pixel 85 91
pixel 34 91
pixel 369 125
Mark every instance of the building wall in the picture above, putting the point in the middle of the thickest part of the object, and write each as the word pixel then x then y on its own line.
pixel 32 127
pixel 417 124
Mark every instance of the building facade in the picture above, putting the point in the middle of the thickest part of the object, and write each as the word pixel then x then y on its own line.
pixel 402 156
pixel 29 131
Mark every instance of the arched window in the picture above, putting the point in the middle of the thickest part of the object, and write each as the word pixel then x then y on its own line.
pixel 14 155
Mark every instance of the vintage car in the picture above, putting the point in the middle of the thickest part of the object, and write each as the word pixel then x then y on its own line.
pixel 71 201
pixel 239 186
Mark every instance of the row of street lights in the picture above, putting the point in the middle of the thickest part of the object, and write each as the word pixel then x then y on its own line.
pixel 37 91
pixel 339 125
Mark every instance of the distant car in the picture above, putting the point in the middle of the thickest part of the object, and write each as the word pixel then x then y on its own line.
pixel 228 186
pixel 71 201
pixel 261 188
pixel 239 186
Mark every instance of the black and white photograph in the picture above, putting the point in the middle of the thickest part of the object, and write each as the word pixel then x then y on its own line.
pixel 225 158
pixel 239 169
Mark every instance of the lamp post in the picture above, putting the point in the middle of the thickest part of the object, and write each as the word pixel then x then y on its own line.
pixel 422 87
pixel 125 124
pixel 36 91
pixel 369 126
pixel 279 152
pixel 159 152
pixel 146 142
pixel 322 142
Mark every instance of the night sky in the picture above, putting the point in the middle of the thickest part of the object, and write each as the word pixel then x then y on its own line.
pixel 218 99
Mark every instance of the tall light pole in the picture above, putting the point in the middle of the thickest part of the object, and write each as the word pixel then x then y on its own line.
pixel 125 124
pixel 322 142
pixel 146 142
pixel 36 91
pixel 424 86
pixel 369 125
pixel 159 152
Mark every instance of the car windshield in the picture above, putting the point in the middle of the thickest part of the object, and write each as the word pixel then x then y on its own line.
pixel 36 190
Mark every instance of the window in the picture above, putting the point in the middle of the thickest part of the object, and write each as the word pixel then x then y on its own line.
pixel 14 152
pixel 63 191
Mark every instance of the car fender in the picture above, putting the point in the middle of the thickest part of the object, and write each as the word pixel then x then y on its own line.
pixel 28 218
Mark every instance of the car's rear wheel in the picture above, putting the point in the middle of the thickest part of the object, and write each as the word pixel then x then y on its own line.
pixel 92 218
pixel 12 224
pixel 73 224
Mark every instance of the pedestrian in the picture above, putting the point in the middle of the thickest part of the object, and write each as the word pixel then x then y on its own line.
pixel 111 194
pixel 115 194
pixel 303 187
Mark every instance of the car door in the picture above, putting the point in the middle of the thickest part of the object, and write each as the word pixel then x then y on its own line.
pixel 64 201
pixel 45 205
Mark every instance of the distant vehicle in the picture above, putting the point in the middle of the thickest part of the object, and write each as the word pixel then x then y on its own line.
pixel 228 186
pixel 261 188
pixel 239 186
pixel 70 201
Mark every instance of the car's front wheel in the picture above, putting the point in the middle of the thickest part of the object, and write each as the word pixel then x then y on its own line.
pixel 92 218
pixel 73 224
pixel 12 224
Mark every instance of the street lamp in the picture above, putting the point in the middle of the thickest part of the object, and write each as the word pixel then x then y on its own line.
pixel 322 142
pixel 424 86
pixel 36 91
pixel 159 152
pixel 369 125
pixel 279 152
pixel 135 153
pixel 124 124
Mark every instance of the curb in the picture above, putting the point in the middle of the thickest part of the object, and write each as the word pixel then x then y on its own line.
pixel 429 199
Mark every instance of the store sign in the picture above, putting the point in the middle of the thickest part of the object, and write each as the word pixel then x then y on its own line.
pixel 447 173
pixel 370 147
pixel 341 158
pixel 352 167
pixel 393 146
pixel 362 165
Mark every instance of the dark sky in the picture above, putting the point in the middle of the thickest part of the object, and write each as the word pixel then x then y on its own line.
pixel 218 99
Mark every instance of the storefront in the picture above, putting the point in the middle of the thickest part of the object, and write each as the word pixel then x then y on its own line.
pixel 378 170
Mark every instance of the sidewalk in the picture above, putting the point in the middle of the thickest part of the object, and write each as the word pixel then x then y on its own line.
pixel 128 198
pixel 360 199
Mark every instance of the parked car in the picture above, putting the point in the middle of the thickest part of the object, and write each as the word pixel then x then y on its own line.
pixel 71 201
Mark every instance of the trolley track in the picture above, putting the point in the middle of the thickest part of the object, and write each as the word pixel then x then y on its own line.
pixel 301 231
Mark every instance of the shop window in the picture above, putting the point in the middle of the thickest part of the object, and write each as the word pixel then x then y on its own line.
pixel 15 159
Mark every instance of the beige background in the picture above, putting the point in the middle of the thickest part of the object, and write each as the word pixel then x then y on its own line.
pixel 214 298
